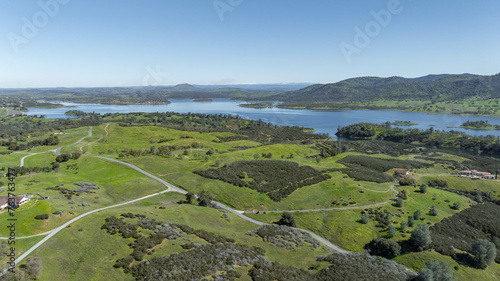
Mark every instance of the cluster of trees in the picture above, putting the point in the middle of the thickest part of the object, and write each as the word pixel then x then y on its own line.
pixel 438 183
pixel 353 266
pixel 366 168
pixel 284 236
pixel 20 128
pixel 479 124
pixel 31 270
pixel 476 144
pixel 65 157
pixel 69 193
pixel 13 145
pixel 461 230
pixel 200 261
pixel 21 171
pixel 276 178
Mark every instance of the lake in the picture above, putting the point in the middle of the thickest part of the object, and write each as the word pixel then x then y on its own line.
pixel 321 120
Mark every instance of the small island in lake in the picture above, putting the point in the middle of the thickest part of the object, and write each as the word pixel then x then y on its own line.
pixel 256 105
pixel 403 123
pixel 203 100
pixel 479 125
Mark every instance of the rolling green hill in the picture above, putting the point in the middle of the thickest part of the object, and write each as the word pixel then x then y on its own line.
pixel 431 87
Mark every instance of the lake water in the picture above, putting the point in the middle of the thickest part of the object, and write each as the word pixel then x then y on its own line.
pixel 321 120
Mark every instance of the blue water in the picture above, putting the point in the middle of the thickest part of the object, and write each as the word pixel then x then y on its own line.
pixel 321 120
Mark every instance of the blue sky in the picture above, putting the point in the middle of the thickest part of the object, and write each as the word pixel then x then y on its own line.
pixel 131 43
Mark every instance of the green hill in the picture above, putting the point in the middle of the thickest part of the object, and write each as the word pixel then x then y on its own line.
pixel 432 87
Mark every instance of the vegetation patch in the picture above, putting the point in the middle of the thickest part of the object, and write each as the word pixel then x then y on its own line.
pixel 284 236
pixel 350 267
pixel 481 221
pixel 366 168
pixel 276 178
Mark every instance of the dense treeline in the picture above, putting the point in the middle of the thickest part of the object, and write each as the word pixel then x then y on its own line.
pixel 217 259
pixel 19 128
pixel 12 145
pixel 476 144
pixel 21 171
pixel 14 132
pixel 373 169
pixel 284 236
pixel 276 178
pixel 481 221
pixel 350 267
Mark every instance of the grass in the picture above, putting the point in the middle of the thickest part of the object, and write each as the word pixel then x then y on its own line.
pixel 85 252
pixel 417 261
pixel 465 184
pixel 118 183
pixel 342 227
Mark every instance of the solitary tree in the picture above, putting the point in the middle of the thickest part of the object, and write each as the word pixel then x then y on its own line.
pixel 287 219
pixel 411 221
pixel 478 198
pixel 484 253
pixel 404 226
pixel 399 202
pixel 421 237
pixel 435 271
pixel 417 215
pixel 365 219
pixel 34 267
pixel 204 198
pixel 153 150
pixel 384 247
pixel 433 211
pixel 392 230
pixel 457 205
pixel 190 198
pixel 75 155
pixel 423 188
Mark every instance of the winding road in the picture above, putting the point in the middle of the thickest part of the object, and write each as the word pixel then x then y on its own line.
pixel 173 188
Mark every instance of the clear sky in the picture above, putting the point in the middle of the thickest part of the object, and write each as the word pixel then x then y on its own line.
pixel 66 43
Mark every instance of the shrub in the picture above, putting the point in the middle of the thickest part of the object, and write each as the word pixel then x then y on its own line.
pixel 383 247
pixel 411 221
pixel 433 211
pixel 484 253
pixel 421 237
pixel 456 206
pixel 423 188
pixel 204 198
pixel 407 181
pixel 287 219
pixel 417 215
pixel 435 270
pixel 42 217
pixel 399 202
pixel 392 230
pixel 365 219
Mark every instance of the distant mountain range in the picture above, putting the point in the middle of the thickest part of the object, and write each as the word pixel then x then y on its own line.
pixel 441 87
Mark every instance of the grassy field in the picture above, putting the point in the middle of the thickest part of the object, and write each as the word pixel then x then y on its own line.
pixel 461 272
pixel 342 227
pixel 465 184
pixel 85 252
pixel 118 183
